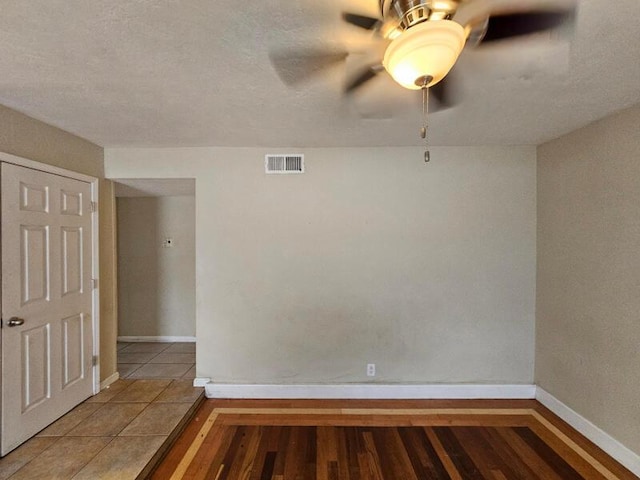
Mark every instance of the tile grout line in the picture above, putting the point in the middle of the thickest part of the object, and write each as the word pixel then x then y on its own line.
pixel 146 363
pixel 38 455
pixel 58 439
pixel 134 370
pixel 92 458
pixel 117 435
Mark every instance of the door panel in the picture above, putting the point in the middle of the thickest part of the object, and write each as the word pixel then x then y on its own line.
pixel 46 282
pixel 35 263
pixel 71 260
pixel 36 366
pixel 72 346
pixel 71 203
pixel 34 198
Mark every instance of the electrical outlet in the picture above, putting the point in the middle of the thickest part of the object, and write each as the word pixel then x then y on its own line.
pixel 371 369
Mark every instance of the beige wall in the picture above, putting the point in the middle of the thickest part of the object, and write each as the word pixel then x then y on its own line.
pixel 108 281
pixel 29 138
pixel 372 256
pixel 588 301
pixel 156 285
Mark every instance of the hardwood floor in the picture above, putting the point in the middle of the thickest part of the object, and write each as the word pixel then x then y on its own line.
pixel 373 440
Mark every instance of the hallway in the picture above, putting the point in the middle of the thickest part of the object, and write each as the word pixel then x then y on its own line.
pixel 157 360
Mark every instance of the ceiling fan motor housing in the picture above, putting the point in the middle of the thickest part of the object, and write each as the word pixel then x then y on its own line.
pixel 429 49
pixel 406 13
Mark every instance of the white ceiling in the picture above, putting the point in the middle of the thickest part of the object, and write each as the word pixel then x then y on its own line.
pixel 197 73
pixel 155 187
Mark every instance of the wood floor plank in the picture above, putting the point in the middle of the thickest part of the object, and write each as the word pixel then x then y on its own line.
pixel 412 446
pixel 261 452
pixel 555 461
pixel 366 468
pixel 236 454
pixel 394 459
pixel 198 463
pixel 522 459
pixel 312 452
pixel 207 462
pixel 269 464
pixel 343 454
pixel 480 452
pixel 353 447
pixel 460 457
pixel 245 469
pixel 283 444
pixel 295 459
pixel 444 457
pixel 377 420
pixel 327 451
pixel 370 456
pixel 425 460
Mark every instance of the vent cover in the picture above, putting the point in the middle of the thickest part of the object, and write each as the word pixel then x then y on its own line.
pixel 284 164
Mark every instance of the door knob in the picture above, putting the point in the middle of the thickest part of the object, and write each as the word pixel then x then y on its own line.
pixel 15 322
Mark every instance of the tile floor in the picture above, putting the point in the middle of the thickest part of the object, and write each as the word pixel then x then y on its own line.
pixel 118 433
pixel 157 360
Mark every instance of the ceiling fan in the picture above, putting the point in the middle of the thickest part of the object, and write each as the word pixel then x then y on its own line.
pixel 424 38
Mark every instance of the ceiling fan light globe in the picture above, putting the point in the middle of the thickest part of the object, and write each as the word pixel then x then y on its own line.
pixel 429 49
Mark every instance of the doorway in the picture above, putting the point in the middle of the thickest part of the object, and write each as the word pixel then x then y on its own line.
pixel 156 278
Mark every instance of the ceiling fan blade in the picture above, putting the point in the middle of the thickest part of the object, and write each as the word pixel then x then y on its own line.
pixel 299 66
pixel 362 21
pixel 511 25
pixel 366 75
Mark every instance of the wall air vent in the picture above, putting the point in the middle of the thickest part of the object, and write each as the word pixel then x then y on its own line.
pixel 284 164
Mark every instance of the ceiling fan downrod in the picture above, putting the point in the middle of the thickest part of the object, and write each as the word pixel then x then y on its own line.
pixel 424 130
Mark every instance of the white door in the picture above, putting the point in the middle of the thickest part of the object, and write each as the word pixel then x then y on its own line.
pixel 47 329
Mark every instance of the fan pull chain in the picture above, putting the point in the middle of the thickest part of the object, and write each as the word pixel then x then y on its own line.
pixel 425 120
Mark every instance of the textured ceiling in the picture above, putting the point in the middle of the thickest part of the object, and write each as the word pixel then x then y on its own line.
pixel 197 73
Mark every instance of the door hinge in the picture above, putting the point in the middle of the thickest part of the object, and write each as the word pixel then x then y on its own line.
pixel 94 360
pixel 94 283
pixel 94 207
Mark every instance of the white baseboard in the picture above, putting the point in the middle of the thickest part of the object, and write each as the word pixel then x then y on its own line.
pixel 370 391
pixel 201 382
pixel 109 380
pixel 161 339
pixel 602 439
